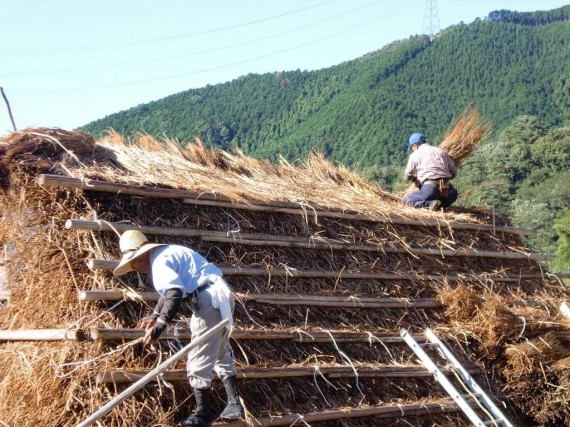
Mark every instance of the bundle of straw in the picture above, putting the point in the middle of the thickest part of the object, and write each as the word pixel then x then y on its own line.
pixel 52 141
pixel 524 358
pixel 461 304
pixel 466 133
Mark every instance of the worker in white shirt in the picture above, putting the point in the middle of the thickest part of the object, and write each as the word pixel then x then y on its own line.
pixel 179 272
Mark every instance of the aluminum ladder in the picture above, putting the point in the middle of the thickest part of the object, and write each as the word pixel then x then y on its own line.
pixel 476 393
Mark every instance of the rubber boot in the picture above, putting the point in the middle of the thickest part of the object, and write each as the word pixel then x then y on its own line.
pixel 202 415
pixel 234 409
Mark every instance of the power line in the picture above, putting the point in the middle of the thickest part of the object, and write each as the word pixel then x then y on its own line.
pixel 244 61
pixel 160 39
pixel 187 54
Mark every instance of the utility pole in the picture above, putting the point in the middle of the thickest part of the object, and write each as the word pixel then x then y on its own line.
pixel 431 19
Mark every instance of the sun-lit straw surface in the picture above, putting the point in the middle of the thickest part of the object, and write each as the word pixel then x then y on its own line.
pixel 52 383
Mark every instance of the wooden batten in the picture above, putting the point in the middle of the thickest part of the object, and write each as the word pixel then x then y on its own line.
pixel 325 301
pixel 293 241
pixel 376 371
pixel 41 335
pixel 118 295
pixel 202 198
pixel 102 264
pixel 328 245
pixel 300 335
pixel 108 265
pixel 280 299
pixel 383 411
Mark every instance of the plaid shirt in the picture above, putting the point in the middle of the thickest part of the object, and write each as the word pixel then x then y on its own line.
pixel 429 162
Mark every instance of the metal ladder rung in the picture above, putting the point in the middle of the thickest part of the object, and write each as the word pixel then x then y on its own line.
pixel 474 394
pixel 428 345
pixel 493 422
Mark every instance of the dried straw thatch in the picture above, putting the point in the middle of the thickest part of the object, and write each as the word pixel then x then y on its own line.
pixel 524 340
pixel 54 383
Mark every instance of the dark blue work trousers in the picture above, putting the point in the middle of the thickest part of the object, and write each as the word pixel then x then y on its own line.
pixel 428 192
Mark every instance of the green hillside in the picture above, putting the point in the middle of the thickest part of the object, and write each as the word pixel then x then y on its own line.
pixel 361 111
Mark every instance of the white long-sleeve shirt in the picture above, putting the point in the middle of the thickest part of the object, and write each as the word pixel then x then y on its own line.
pixel 179 267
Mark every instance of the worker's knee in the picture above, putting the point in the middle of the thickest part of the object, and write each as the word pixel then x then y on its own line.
pixel 197 382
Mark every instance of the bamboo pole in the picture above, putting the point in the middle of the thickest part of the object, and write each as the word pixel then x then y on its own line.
pixel 444 405
pixel 301 336
pixel 293 241
pixel 326 301
pixel 118 295
pixel 278 299
pixel 377 371
pixel 78 224
pixel 294 209
pixel 103 334
pixel 102 264
pixel 374 248
pixel 107 265
pixel 41 335
pixel 119 188
pixel 108 407
pixel 284 207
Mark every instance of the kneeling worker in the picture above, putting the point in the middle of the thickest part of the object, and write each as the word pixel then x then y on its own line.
pixel 430 168
pixel 178 272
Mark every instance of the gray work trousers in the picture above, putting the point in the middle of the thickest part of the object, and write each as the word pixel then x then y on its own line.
pixel 213 355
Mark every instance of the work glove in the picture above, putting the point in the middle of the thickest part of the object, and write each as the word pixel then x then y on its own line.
pixel 152 334
pixel 148 321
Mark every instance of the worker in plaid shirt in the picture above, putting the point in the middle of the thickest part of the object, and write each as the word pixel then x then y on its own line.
pixel 430 168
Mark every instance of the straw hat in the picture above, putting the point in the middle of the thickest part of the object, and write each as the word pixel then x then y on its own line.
pixel 133 244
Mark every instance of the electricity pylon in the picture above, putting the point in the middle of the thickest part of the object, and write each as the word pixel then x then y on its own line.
pixel 431 19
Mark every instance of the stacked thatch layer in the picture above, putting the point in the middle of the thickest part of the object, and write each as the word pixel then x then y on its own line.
pixel 321 270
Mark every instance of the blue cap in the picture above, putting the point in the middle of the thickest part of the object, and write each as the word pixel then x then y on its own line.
pixel 416 138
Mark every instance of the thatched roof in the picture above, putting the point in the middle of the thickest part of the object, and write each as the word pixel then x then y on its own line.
pixel 327 268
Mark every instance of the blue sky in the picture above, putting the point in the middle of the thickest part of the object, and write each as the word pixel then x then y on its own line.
pixel 64 63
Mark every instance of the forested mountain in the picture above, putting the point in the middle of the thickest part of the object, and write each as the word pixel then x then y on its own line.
pixel 514 67
pixel 360 112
